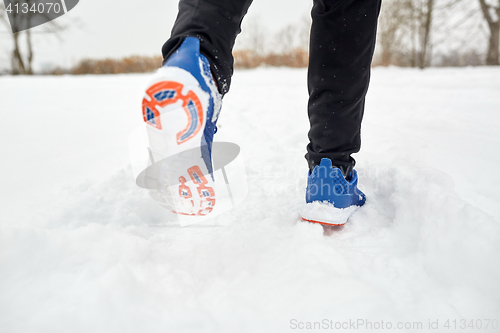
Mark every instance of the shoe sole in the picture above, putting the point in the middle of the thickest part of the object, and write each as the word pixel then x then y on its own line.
pixel 179 96
pixel 324 223
pixel 327 214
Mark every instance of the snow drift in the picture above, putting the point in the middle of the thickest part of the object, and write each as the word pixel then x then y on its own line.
pixel 83 249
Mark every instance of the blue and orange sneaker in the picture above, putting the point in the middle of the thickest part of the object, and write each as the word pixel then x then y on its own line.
pixel 180 107
pixel 330 198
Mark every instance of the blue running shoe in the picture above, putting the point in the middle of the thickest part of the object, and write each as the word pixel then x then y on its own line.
pixel 180 108
pixel 330 198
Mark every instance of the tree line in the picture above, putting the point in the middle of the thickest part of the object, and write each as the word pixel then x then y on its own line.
pixel 413 33
pixel 420 33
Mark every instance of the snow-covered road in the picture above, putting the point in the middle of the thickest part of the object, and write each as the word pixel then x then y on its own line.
pixel 82 249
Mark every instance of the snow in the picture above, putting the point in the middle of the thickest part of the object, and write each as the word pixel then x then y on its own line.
pixel 83 249
pixel 324 211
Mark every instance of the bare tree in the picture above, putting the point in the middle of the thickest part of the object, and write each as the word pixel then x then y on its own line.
pixel 426 25
pixel 292 37
pixel 285 39
pixel 22 57
pixel 390 31
pixel 304 32
pixel 254 36
pixel 4 23
pixel 409 30
pixel 404 33
pixel 418 15
pixel 491 13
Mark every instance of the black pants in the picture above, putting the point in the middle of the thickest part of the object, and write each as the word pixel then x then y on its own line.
pixel 341 49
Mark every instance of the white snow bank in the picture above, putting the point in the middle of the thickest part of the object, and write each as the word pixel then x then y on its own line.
pixel 96 254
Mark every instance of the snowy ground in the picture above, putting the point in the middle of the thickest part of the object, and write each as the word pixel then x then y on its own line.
pixel 82 249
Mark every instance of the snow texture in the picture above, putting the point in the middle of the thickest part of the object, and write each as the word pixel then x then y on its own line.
pixel 83 249
pixel 326 212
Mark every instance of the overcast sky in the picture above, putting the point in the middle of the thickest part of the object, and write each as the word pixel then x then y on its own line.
pixel 99 29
